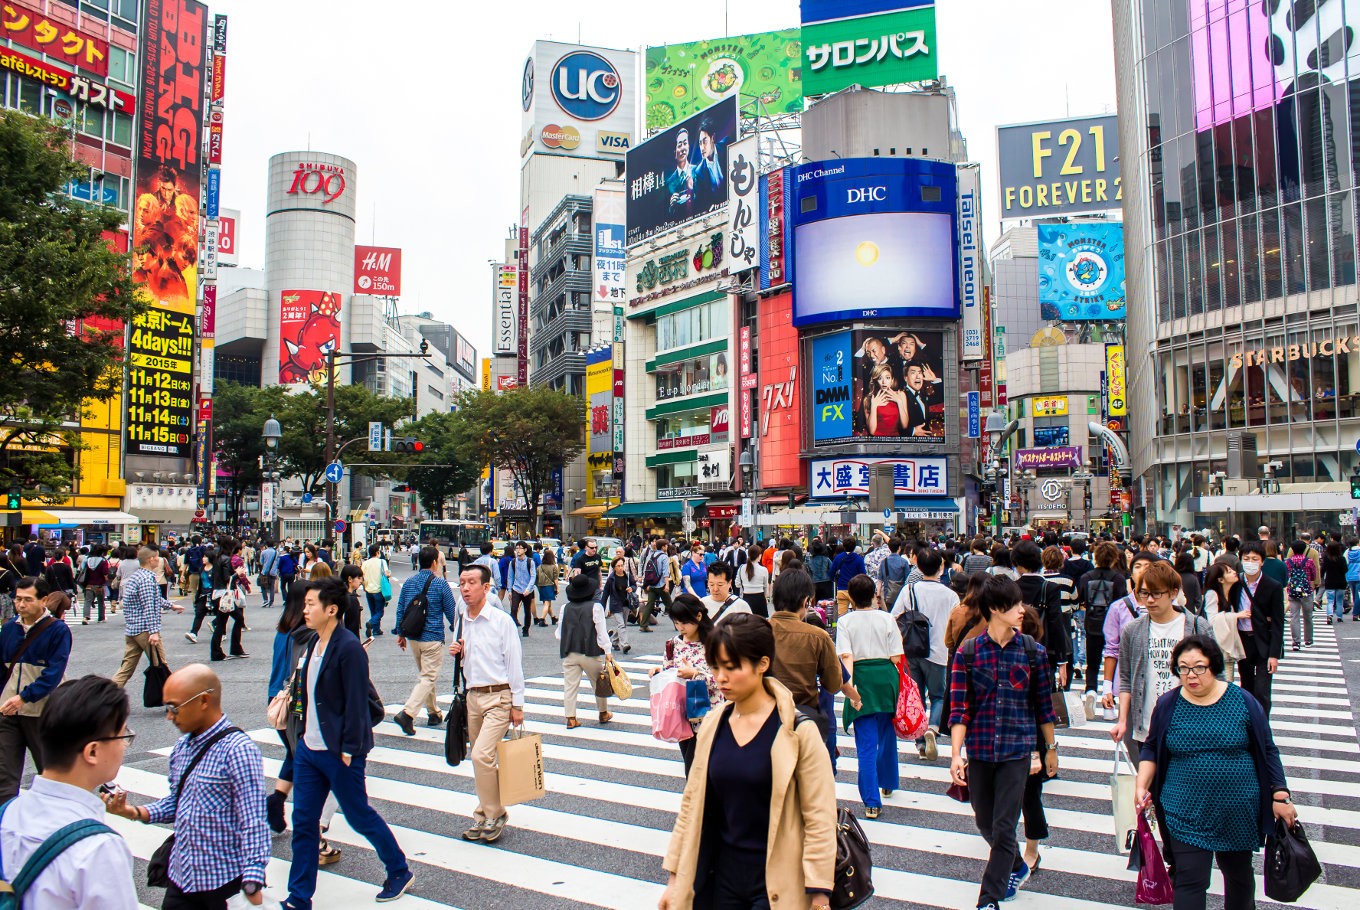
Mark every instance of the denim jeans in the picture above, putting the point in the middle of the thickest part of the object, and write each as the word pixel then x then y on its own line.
pixel 376 605
pixel 930 679
pixel 1079 638
pixel 1336 604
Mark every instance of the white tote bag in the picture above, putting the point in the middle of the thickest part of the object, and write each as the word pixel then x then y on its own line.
pixel 1123 784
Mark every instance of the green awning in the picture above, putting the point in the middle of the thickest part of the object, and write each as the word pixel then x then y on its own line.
pixel 653 508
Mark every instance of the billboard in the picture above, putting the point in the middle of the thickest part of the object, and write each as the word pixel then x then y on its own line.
pixel 841 477
pixel 886 48
pixel 611 255
pixel 683 79
pixel 971 278
pixel 1081 271
pixel 600 400
pixel 1059 167
pixel 169 138
pixel 743 196
pixel 874 238
pixel 1052 436
pixel 505 309
pixel 1050 406
pixel 37 31
pixel 885 386
pixel 1116 381
pixel 774 228
pixel 680 174
pixel 578 101
pixel 160 384
pixel 1048 457
pixel 309 329
pixel 228 227
pixel 377 271
pixel 79 88
pixel 823 10
pixel 779 408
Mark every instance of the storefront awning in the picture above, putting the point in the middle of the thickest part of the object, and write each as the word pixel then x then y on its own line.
pixel 588 512
pixel 77 517
pixel 653 508
pixel 925 508
pixel 38 517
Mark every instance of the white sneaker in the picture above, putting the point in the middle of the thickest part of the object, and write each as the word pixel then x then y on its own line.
pixel 189 636
pixel 1088 703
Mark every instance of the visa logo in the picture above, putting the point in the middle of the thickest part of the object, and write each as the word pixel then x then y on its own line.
pixel 613 142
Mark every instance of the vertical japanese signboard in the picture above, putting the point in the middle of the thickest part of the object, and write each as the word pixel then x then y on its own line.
pixel 749 381
pixel 773 227
pixel 611 256
pixel 970 260
pixel 743 192
pixel 165 222
pixel 522 320
pixel 1115 380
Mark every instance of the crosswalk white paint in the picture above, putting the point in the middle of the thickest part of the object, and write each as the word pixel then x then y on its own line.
pixel 926 850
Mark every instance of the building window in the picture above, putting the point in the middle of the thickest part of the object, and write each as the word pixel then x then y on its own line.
pixel 694 325
pixel 122 66
pixel 692 377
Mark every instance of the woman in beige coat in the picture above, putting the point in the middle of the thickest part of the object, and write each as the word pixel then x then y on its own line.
pixel 757 824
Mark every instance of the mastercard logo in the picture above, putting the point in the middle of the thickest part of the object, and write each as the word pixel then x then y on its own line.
pixel 561 137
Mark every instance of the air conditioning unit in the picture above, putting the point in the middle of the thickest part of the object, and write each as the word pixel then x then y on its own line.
pixel 1242 462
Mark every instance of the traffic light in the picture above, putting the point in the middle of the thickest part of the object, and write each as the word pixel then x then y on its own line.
pixel 1355 489
pixel 13 500
pixel 409 445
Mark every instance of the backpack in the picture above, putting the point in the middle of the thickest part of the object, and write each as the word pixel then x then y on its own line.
pixel 417 612
pixel 651 576
pixel 1099 597
pixel 12 897
pixel 915 629
pixel 1300 587
pixel 969 650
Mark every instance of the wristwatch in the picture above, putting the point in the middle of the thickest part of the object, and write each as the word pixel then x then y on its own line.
pixel 250 889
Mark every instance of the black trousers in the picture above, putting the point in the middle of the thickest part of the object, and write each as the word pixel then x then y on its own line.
pixel 1253 674
pixel 736 882
pixel 18 734
pixel 1190 881
pixel 1095 645
pixel 200 609
pixel 238 618
pixel 523 602
pixel 996 791
pixel 1032 808
pixel 686 752
pixel 216 899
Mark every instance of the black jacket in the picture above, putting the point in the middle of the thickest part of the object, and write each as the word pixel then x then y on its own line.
pixel 1267 616
pixel 342 689
pixel 1046 598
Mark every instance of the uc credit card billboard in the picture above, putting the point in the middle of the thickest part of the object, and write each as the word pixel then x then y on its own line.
pixel 874 238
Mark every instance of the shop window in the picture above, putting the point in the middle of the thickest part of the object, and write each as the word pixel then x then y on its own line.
pixel 91 121
pixel 692 377
pixel 30 97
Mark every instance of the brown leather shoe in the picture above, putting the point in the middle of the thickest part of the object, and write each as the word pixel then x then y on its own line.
pixel 572 723
pixel 606 717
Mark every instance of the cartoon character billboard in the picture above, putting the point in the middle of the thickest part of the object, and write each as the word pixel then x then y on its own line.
pixel 309 329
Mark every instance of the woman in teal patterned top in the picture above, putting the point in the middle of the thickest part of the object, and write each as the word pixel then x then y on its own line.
pixel 1212 768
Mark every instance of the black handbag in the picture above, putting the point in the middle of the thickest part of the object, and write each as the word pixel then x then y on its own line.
pixel 456 729
pixel 853 883
pixel 1291 866
pixel 158 867
pixel 153 693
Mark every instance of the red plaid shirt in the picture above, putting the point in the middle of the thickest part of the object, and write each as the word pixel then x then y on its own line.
pixel 1000 720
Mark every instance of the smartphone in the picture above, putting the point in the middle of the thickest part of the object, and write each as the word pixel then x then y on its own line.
pixel 110 789
pixel 367 641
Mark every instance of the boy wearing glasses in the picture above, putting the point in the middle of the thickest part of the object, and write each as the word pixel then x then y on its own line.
pixel 1145 647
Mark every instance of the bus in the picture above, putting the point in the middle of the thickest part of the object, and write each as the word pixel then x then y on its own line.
pixel 455 533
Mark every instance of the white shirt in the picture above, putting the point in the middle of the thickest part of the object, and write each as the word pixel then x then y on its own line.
pixel 93 874
pixel 935 601
pixel 868 635
pixel 735 607
pixel 311 730
pixel 1211 604
pixel 601 629
pixel 755 585
pixel 493 655
pixel 1162 640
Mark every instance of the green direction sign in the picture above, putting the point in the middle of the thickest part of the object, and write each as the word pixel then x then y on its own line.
pixel 872 51
pixel 683 79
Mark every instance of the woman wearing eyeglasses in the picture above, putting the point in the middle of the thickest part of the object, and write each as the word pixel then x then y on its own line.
pixel 1211 767
pixel 1145 645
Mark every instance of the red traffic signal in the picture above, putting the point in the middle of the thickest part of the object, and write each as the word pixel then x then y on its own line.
pixel 408 445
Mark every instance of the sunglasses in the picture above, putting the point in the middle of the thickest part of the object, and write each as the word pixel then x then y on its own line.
pixel 173 709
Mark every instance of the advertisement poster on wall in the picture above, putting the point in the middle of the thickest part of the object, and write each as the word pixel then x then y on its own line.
pixel 971 279
pixel 377 271
pixel 160 384
pixel 505 327
pixel 895 388
pixel 779 414
pixel 680 174
pixel 774 229
pixel 309 329
pixel 600 400
pixel 683 79
pixel 578 101
pixel 743 195
pixel 887 48
pixel 1116 382
pixel 611 255
pixel 838 477
pixel 1081 271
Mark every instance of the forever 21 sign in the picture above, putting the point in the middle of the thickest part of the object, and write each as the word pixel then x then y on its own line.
pixel 326 180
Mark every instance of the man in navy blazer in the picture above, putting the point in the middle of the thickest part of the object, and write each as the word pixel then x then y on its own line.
pixel 331 710
pixel 1262 628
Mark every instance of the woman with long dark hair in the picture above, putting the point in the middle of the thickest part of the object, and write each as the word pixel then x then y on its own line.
pixel 615 596
pixel 1334 581
pixel 685 654
pixel 819 567
pixel 753 580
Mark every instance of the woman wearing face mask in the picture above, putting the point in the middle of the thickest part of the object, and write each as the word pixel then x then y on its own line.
pixel 1258 602
pixel 1122 612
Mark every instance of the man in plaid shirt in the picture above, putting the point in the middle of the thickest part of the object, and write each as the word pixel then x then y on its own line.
pixel 142 606
pixel 221 836
pixel 1000 695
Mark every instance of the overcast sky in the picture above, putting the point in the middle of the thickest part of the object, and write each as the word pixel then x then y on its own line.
pixel 424 96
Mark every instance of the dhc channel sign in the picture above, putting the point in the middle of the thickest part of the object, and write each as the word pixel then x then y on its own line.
pixel 586 86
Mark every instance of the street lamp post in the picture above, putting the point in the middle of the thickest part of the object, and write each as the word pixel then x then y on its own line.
pixel 747 463
pixel 998 431
pixel 272 435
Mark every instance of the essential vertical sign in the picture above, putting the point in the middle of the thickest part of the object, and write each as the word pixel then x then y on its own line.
pixel 505 319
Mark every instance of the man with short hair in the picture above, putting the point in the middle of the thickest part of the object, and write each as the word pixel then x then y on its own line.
pixel 142 606
pixel 269 573
pixel 845 565
pixel 493 666
pixel 656 578
pixel 588 562
pixel 84 738
pixel 216 782
pixel 375 568
pixel 34 649
pixel 804 654
pixel 428 646
pixel 521 575
pixel 194 560
pixel 721 601
pixel 35 555
pixel 1259 604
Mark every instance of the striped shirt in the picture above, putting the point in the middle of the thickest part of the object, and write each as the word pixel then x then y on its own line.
pixel 142 603
pixel 220 828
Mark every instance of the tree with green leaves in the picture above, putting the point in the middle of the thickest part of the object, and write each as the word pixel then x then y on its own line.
pixel 64 298
pixel 531 431
pixel 239 413
pixel 303 418
pixel 457 471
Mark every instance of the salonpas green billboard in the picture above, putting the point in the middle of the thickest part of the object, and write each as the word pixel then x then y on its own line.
pixel 886 49
pixel 683 79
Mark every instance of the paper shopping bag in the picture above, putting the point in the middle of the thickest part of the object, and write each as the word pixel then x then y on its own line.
pixel 519 762
pixel 1122 787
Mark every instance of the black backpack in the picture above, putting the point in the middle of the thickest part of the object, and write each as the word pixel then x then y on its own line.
pixel 417 612
pixel 915 629
pixel 651 576
pixel 1099 597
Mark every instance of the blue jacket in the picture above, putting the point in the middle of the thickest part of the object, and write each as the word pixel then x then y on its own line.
pixel 342 687
pixel 42 666
pixel 287 565
pixel 1353 564
pixel 846 566
pixel 443 605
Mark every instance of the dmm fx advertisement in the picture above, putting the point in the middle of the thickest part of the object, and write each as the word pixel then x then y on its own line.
pixel 886 386
pixel 161 384
pixel 1081 271
pixel 874 238
pixel 1059 167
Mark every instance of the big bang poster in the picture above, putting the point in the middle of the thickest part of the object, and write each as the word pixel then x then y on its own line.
pixel 309 329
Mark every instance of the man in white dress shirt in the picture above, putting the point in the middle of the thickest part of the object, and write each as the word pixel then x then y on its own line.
pixel 493 665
